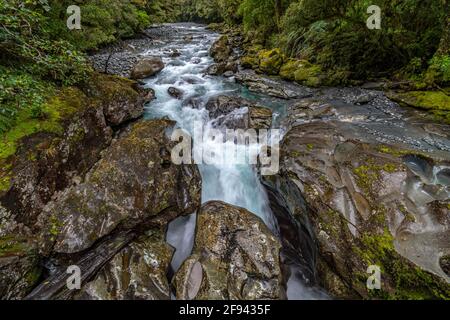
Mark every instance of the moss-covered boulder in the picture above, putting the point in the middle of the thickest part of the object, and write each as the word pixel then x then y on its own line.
pixel 435 102
pixel 137 272
pixel 134 184
pixel 235 256
pixel 270 61
pixel 40 156
pixel 221 50
pixel 368 204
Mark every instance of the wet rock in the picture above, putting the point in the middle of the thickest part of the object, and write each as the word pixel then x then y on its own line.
pixel 137 272
pixel 135 183
pixel 175 53
pixel 365 204
pixel 215 69
pixel 188 38
pixel 193 79
pixel 147 67
pixel 221 50
pixel 175 92
pixel 235 112
pixel 228 74
pixel 47 162
pixel 235 256
pixel 19 266
pixel 279 89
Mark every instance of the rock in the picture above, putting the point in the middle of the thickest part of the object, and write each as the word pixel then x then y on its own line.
pixel 215 69
pixel 175 92
pixel 271 87
pixel 221 50
pixel 147 67
pixel 188 38
pixel 270 61
pixel 175 53
pixel 135 183
pixel 235 112
pixel 48 161
pixel 137 272
pixel 193 79
pixel 20 267
pixel 368 204
pixel 235 256
pixel 228 74
pixel 123 103
pixel 435 102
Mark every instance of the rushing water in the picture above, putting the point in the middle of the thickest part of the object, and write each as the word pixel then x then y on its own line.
pixel 235 184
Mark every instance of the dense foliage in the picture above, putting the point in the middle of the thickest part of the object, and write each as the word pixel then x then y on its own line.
pixel 38 53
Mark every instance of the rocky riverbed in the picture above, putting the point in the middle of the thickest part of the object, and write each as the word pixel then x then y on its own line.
pixel 362 182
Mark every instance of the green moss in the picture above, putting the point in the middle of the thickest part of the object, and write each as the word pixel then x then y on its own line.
pixel 405 280
pixel 370 173
pixel 57 109
pixel 310 146
pixel 270 61
pixel 287 71
pixel 436 102
pixel 11 246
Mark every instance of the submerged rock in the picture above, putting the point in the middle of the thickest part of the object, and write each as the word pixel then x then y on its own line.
pixel 134 184
pixel 147 67
pixel 175 92
pixel 235 256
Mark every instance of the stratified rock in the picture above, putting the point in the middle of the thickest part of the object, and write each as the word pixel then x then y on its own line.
pixel 271 87
pixel 138 272
pixel 134 184
pixel 368 204
pixel 235 256
pixel 221 50
pixel 147 67
pixel 236 112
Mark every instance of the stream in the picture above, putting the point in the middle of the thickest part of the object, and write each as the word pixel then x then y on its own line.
pixel 235 184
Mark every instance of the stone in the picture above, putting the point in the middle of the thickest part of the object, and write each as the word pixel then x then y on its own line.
pixel 175 92
pixel 235 256
pixel 133 184
pixel 137 272
pixel 147 67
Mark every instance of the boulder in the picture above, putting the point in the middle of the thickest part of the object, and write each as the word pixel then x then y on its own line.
pixel 275 88
pixel 221 50
pixel 147 67
pixel 137 272
pixel 240 113
pixel 175 92
pixel 235 256
pixel 134 184
pixel 52 157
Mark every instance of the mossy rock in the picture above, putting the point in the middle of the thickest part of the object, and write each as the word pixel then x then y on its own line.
pixel 21 267
pixel 436 102
pixel 270 61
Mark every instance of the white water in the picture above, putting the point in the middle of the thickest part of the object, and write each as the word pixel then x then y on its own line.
pixel 235 184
